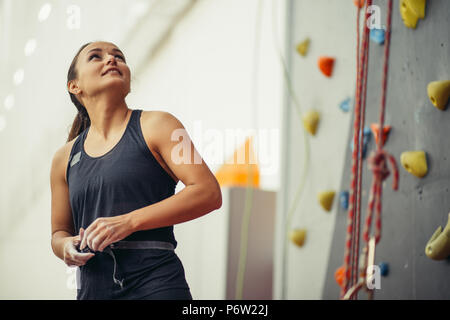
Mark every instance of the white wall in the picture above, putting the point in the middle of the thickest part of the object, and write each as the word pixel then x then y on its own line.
pixel 331 26
pixel 204 77
pixel 35 127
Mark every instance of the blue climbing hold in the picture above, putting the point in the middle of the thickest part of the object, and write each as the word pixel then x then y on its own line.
pixel 377 35
pixel 343 197
pixel 367 133
pixel 345 105
pixel 384 268
pixel 366 138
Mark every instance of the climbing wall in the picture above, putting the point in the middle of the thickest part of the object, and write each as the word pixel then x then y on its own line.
pixel 412 213
pixel 329 24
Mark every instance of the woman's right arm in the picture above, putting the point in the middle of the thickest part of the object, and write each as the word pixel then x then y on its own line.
pixel 64 240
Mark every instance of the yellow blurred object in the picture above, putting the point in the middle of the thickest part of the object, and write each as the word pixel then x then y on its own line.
pixel 415 162
pixel 326 199
pixel 439 93
pixel 311 121
pixel 298 236
pixel 302 47
pixel 438 247
pixel 411 11
pixel 241 169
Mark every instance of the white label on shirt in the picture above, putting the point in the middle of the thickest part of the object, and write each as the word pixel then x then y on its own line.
pixel 75 159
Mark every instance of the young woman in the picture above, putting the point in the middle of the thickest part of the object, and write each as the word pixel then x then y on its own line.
pixel 113 183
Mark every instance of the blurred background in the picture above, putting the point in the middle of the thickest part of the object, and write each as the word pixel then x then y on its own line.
pixel 224 68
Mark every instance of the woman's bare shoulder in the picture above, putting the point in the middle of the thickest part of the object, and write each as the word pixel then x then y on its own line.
pixel 156 122
pixel 61 157
pixel 152 121
pixel 155 115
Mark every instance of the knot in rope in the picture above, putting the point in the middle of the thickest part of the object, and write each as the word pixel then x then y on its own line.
pixel 378 165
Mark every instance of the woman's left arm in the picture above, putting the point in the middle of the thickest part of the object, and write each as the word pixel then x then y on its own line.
pixel 200 196
pixel 202 193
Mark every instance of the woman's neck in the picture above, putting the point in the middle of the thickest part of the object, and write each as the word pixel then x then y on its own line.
pixel 107 117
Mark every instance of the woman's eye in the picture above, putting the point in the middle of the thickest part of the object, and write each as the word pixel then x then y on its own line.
pixel 96 55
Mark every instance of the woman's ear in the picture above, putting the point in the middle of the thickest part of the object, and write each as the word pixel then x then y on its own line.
pixel 73 88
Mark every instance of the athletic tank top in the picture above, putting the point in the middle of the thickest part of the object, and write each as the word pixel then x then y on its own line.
pixel 126 178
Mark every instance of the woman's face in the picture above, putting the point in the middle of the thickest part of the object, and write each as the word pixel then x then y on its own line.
pixel 92 65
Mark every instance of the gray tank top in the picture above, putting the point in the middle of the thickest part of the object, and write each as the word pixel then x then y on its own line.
pixel 126 178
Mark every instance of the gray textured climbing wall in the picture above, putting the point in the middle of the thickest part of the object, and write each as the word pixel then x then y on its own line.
pixel 411 214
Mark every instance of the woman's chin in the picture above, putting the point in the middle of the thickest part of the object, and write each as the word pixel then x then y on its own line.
pixel 114 83
pixel 115 87
pixel 113 78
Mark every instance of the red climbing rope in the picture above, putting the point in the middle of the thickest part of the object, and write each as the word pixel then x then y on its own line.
pixel 355 264
pixel 349 256
pixel 377 162
pixel 355 243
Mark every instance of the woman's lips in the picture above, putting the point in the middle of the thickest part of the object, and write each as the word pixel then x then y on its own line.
pixel 112 71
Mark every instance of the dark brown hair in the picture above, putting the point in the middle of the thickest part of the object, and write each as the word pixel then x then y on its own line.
pixel 81 120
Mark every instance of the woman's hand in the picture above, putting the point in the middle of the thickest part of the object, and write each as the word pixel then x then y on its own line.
pixel 106 230
pixel 71 255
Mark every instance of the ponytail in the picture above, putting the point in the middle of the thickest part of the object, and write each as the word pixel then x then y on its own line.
pixel 81 121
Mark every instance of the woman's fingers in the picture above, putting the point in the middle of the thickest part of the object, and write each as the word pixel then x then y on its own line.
pixel 96 240
pixel 79 259
pixel 98 232
pixel 88 235
pixel 106 242
pixel 82 240
pixel 74 258
pixel 82 257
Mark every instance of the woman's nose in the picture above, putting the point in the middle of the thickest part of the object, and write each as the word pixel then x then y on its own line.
pixel 111 59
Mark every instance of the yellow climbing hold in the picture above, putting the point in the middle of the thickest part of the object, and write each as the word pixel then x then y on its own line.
pixel 415 162
pixel 298 236
pixel 302 47
pixel 412 11
pixel 438 247
pixel 241 169
pixel 326 199
pixel 439 93
pixel 311 121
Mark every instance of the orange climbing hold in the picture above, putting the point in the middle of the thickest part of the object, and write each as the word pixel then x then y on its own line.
pixel 326 65
pixel 359 3
pixel 241 169
pixel 376 131
pixel 339 276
